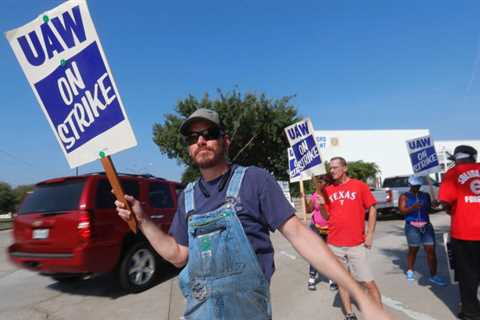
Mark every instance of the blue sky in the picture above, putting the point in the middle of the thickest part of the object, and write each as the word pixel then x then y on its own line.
pixel 351 64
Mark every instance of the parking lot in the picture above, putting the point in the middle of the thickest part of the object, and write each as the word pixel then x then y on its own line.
pixel 27 295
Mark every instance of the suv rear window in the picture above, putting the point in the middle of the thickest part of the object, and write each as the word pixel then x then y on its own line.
pixel 105 198
pixel 160 195
pixel 395 182
pixel 53 197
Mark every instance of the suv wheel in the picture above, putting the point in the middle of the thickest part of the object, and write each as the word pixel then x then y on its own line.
pixel 138 268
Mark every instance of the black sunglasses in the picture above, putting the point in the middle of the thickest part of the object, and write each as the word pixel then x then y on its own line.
pixel 207 134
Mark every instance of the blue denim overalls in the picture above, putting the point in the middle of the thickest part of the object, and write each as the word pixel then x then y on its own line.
pixel 222 279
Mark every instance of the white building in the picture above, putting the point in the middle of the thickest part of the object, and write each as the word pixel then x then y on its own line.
pixel 386 148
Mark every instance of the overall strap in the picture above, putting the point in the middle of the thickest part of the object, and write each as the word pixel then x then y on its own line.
pixel 235 182
pixel 189 202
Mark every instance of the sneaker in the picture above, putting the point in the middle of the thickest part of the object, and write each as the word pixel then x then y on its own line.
pixel 332 285
pixel 351 316
pixel 438 280
pixel 410 275
pixel 312 283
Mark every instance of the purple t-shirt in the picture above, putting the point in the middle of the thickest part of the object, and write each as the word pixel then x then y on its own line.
pixel 265 208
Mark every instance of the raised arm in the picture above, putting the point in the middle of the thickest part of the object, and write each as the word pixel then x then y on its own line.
pixel 402 205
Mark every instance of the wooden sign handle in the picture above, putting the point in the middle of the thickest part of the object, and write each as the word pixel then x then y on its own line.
pixel 304 211
pixel 117 188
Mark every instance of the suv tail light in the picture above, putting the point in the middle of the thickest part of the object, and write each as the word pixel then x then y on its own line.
pixel 389 195
pixel 84 226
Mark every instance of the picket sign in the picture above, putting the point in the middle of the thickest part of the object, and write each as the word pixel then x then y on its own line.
pixel 304 159
pixel 424 159
pixel 423 156
pixel 66 67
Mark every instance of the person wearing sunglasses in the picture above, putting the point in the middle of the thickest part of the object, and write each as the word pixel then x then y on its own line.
pixel 221 232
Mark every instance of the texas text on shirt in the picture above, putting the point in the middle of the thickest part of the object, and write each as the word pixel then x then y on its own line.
pixel 346 204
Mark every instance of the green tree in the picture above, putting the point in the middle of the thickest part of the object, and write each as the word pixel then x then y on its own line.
pixel 356 169
pixel 254 123
pixel 20 192
pixel 7 198
pixel 363 170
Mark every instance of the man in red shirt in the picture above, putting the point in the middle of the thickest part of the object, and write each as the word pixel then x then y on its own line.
pixel 460 193
pixel 344 208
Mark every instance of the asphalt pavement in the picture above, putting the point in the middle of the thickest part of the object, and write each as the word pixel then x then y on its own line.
pixel 27 295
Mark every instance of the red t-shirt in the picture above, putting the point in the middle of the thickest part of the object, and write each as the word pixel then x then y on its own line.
pixel 346 205
pixel 461 188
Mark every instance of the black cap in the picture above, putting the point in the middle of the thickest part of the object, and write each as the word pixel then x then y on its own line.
pixel 464 152
pixel 201 114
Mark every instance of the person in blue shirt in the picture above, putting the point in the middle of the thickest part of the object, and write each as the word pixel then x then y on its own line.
pixel 221 233
pixel 416 206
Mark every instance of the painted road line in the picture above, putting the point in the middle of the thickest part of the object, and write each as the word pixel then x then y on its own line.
pixel 397 305
pixel 291 256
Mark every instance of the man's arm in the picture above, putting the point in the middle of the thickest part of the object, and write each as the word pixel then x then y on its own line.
pixel 163 243
pixel 316 252
pixel 372 222
pixel 448 191
pixel 447 206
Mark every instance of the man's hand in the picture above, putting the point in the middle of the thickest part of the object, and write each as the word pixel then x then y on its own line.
pixel 137 209
pixel 372 311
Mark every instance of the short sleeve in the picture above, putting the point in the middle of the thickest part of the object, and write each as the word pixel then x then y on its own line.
pixel 367 197
pixel 447 192
pixel 179 228
pixel 273 205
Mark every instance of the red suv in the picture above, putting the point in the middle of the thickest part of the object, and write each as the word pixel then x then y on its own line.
pixel 67 228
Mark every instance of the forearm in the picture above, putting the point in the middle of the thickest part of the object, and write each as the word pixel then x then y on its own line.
pixel 372 221
pixel 163 243
pixel 308 205
pixel 317 253
pixel 447 206
pixel 324 212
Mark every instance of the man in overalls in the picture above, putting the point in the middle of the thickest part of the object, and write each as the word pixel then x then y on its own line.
pixel 220 233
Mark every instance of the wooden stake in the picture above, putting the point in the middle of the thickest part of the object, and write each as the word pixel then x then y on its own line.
pixel 304 211
pixel 117 188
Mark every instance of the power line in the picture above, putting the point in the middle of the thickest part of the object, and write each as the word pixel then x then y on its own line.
pixel 17 158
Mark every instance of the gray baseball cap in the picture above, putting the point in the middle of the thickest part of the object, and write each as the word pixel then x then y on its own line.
pixel 201 114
